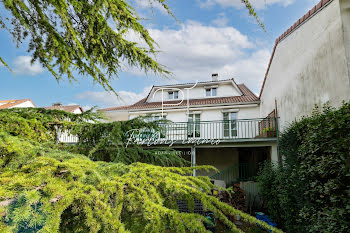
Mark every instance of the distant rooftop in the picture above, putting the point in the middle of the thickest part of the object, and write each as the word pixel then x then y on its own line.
pixel 12 103
pixel 67 108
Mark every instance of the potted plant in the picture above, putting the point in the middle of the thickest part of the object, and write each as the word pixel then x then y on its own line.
pixel 269 132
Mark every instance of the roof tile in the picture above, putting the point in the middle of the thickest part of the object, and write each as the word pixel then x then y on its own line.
pixel 13 103
pixel 68 108
pixel 247 97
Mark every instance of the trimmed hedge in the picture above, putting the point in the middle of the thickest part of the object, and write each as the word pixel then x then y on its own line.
pixel 310 192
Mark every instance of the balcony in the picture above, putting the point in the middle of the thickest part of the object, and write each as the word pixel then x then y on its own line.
pixel 209 132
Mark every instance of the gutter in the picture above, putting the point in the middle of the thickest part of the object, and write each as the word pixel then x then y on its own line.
pixel 199 107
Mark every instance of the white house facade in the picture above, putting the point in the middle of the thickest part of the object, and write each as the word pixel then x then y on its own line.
pixel 309 65
pixel 212 123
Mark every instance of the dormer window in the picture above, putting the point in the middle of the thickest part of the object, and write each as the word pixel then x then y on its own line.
pixel 210 91
pixel 172 95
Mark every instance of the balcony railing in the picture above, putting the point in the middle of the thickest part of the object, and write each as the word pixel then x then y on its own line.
pixel 228 130
pixel 237 173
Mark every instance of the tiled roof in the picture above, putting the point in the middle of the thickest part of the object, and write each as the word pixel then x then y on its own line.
pixel 200 83
pixel 298 23
pixel 247 97
pixel 192 84
pixel 125 107
pixel 68 108
pixel 13 103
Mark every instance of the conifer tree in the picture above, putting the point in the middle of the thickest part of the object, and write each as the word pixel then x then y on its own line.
pixel 86 36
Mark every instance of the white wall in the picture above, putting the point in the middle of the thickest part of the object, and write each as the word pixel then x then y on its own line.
pixel 309 67
pixel 180 115
pixel 27 104
pixel 116 115
pixel 345 14
pixel 77 111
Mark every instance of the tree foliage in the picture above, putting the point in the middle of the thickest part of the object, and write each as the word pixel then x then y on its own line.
pixel 89 37
pixel 110 142
pixel 45 188
pixel 99 141
pixel 310 191
pixel 40 124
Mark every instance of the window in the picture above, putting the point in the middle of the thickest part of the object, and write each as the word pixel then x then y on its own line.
pixel 210 91
pixel 173 95
pixel 155 118
pixel 151 133
pixel 230 124
pixel 193 125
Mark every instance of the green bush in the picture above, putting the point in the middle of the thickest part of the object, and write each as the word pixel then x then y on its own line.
pixel 44 187
pixel 310 191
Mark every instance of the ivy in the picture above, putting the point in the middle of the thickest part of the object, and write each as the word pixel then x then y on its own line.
pixel 40 124
pixel 310 191
pixel 109 142
pixel 47 187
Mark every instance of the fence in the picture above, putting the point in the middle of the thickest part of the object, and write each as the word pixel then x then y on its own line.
pixel 236 173
pixel 209 130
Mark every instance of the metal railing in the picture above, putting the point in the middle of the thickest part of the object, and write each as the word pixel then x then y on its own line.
pixel 213 130
pixel 236 173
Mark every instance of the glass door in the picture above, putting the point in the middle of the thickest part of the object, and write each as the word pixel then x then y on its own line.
pixel 193 126
pixel 230 124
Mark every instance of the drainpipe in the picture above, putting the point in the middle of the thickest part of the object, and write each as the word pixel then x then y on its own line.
pixel 193 159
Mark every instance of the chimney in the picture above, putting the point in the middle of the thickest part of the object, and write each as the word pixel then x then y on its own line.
pixel 57 104
pixel 214 77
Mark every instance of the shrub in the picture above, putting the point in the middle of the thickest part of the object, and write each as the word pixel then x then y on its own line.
pixel 46 188
pixel 309 191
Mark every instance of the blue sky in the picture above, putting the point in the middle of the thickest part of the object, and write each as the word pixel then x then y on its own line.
pixel 213 36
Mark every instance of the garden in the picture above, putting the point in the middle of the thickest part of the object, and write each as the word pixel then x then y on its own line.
pixel 98 185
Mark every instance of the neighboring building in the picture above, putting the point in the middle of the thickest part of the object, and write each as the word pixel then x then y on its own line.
pixel 310 64
pixel 215 122
pixel 24 103
pixel 120 113
pixel 76 109
pixel 65 137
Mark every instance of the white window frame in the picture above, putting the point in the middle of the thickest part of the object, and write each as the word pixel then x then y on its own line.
pixel 155 117
pixel 231 123
pixel 210 89
pixel 173 95
pixel 194 124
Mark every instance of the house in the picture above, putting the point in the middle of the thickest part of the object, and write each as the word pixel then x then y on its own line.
pixel 211 123
pixel 23 103
pixel 76 109
pixel 65 137
pixel 310 64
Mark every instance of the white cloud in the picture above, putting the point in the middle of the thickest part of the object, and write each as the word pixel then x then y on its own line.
pixel 109 99
pixel 195 51
pixel 145 4
pixel 257 4
pixel 71 104
pixel 86 107
pixel 249 70
pixel 23 65
pixel 221 20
